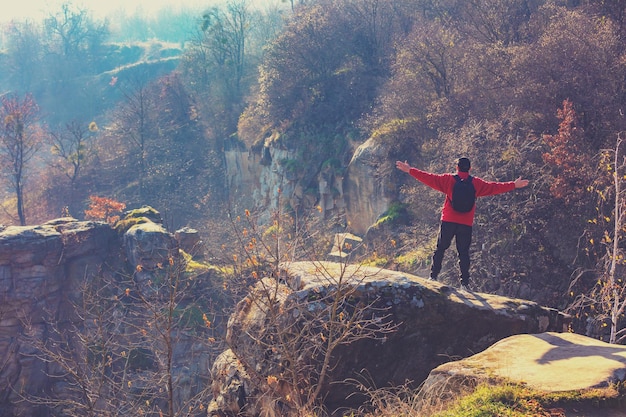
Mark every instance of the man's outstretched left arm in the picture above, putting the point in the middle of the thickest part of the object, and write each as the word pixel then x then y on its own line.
pixel 485 188
pixel 520 183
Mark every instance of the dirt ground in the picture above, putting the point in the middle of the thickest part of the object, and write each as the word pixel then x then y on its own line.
pixel 589 411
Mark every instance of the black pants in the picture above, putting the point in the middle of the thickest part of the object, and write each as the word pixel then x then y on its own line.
pixel 463 236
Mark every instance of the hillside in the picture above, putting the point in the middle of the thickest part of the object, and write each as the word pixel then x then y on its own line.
pixel 303 113
pixel 91 96
pixel 98 317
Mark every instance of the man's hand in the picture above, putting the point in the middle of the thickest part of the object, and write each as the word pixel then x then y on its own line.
pixel 403 166
pixel 520 183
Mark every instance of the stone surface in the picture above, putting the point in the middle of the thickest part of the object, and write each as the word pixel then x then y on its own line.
pixel 44 270
pixel 230 385
pixel 263 183
pixel 433 325
pixel 189 240
pixel 550 362
pixel 365 190
pixel 547 362
pixel 148 244
pixel 40 269
pixel 344 246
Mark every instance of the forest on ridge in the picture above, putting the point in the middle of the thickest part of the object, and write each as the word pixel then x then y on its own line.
pixel 531 88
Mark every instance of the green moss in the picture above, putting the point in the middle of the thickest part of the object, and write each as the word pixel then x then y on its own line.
pixel 391 128
pixel 272 232
pixel 397 212
pixel 122 226
pixel 377 261
pixel 290 165
pixel 144 212
pixel 410 259
pixel 420 255
pixel 227 270
pixel 513 400
pixel 141 215
pixel 194 267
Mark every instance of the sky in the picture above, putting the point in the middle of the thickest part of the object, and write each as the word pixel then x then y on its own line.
pixel 37 9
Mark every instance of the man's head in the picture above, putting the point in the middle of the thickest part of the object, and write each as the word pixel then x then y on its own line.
pixel 463 164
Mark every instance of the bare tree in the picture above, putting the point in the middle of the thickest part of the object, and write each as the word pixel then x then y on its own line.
pixel 71 147
pixel 166 317
pixel 25 50
pixel 84 358
pixel 133 121
pixel 226 34
pixel 74 33
pixel 135 343
pixel 20 139
pixel 298 337
pixel 614 289
pixel 606 301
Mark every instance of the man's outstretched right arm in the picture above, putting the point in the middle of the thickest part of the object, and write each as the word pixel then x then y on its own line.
pixel 403 166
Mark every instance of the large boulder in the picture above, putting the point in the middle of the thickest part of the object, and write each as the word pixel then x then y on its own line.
pixel 540 361
pixel 149 245
pixel 547 362
pixel 399 327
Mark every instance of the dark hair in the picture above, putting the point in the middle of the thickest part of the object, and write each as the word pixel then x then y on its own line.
pixel 463 164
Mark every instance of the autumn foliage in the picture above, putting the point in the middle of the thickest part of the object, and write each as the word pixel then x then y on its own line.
pixel 106 209
pixel 572 173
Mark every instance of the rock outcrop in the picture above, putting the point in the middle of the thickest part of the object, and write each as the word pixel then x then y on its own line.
pixel 374 326
pixel 398 326
pixel 276 177
pixel 262 182
pixel 44 270
pixel 41 269
pixel 547 362
pixel 367 194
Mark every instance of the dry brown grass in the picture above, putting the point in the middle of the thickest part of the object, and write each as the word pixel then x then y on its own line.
pixel 407 401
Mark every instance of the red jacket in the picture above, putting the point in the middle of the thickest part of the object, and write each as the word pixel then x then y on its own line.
pixel 445 183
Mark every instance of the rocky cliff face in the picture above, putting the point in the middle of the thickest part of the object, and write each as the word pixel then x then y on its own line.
pixel 367 194
pixel 302 331
pixel 378 326
pixel 262 181
pixel 44 273
pixel 41 271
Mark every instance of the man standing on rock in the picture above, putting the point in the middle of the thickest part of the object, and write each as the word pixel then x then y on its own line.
pixel 457 220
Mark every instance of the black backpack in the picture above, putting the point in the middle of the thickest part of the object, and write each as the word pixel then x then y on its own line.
pixel 463 195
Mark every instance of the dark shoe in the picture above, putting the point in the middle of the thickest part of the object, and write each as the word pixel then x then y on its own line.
pixel 432 278
pixel 465 288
